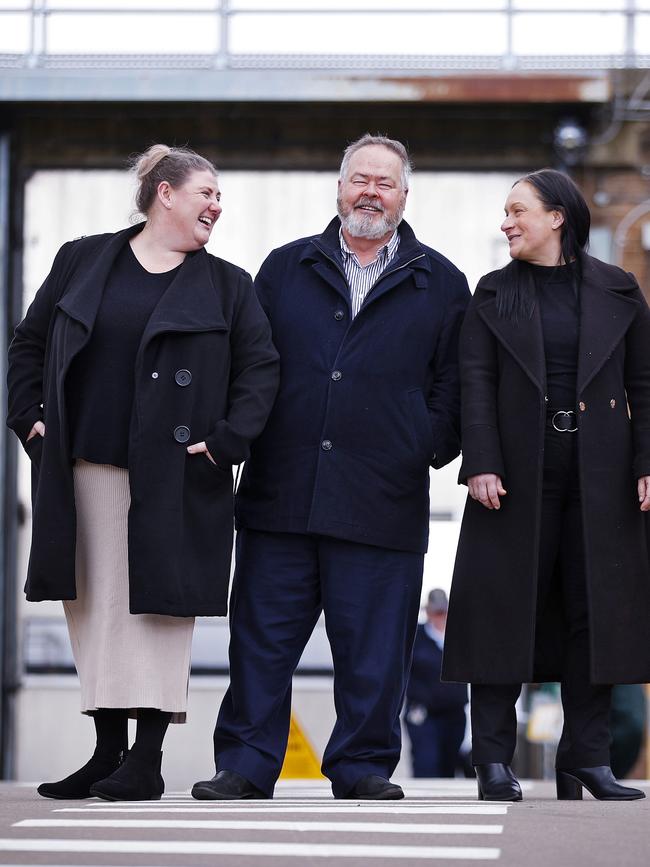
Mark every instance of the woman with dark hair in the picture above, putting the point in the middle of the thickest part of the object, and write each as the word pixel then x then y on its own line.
pixel 552 574
pixel 141 373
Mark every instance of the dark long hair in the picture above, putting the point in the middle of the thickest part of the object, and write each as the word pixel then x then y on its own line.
pixel 557 192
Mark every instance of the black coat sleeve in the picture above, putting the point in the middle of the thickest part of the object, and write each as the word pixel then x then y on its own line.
pixel 27 352
pixel 254 379
pixel 443 399
pixel 481 444
pixel 637 385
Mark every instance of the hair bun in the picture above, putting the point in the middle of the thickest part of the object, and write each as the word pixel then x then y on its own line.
pixel 150 159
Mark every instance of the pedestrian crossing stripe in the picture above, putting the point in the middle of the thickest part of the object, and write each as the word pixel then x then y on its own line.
pixel 300 760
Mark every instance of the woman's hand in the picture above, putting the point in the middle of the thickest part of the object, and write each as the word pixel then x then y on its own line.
pixel 487 488
pixel 38 429
pixel 643 487
pixel 199 448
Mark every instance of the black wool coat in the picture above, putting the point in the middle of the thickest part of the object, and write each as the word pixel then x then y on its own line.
pixel 209 323
pixel 490 635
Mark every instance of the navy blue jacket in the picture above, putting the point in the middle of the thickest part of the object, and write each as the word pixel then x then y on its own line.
pixel 365 405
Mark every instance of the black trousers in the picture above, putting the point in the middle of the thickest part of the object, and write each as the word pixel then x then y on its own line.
pixel 585 736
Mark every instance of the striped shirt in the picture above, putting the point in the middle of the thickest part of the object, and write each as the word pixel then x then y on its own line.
pixel 361 278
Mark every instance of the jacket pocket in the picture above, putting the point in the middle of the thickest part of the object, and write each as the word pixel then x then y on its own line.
pixel 421 423
pixel 34 449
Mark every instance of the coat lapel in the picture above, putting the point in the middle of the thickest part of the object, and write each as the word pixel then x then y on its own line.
pixel 191 302
pixel 523 340
pixel 411 260
pixel 82 299
pixel 606 311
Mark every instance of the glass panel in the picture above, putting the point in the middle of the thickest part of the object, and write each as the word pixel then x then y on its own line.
pixel 587 5
pixel 642 34
pixel 556 34
pixel 132 34
pixel 359 34
pixel 368 4
pixel 14 33
pixel 154 5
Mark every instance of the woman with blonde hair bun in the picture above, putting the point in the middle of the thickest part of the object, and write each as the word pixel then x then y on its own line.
pixel 140 374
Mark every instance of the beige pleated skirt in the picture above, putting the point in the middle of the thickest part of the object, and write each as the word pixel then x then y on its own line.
pixel 123 660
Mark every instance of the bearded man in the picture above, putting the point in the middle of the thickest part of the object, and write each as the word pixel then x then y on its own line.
pixel 333 507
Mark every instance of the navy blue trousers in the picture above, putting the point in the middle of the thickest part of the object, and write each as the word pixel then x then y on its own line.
pixel 370 597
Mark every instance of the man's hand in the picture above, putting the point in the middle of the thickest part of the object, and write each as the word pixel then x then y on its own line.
pixel 487 488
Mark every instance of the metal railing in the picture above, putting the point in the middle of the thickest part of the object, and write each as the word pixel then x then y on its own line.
pixel 215 20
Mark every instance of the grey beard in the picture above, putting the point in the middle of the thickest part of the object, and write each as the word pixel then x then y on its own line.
pixel 360 225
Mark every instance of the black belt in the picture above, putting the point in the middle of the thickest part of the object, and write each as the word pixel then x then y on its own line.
pixel 563 420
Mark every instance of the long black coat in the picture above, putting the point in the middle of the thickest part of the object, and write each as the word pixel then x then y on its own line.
pixel 209 323
pixel 490 634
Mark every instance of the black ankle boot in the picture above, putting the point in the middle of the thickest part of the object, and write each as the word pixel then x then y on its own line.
pixel 599 782
pixel 496 782
pixel 137 779
pixel 78 785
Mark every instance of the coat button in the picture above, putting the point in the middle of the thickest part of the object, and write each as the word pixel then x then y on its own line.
pixel 181 433
pixel 582 406
pixel 183 377
pixel 154 375
pixel 326 445
pixel 612 403
pixel 336 375
pixel 338 315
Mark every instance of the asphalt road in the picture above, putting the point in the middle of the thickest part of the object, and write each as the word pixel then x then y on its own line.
pixel 439 822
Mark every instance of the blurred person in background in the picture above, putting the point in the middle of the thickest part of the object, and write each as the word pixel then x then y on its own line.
pixel 435 711
pixel 628 721
pixel 551 580
pixel 140 374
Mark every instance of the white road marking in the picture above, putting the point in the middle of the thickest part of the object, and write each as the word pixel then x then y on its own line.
pixel 207 847
pixel 247 807
pixel 327 803
pixel 257 825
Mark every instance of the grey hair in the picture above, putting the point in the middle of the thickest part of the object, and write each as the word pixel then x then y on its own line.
pixel 162 163
pixel 392 144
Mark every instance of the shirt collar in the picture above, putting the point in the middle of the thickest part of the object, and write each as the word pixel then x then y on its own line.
pixel 434 634
pixel 386 252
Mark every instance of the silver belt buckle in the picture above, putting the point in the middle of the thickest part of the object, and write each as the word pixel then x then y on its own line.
pixel 568 414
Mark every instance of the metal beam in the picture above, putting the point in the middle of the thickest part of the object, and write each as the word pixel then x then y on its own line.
pixel 8 633
pixel 281 85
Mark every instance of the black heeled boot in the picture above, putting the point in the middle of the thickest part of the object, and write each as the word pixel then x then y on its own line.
pixel 137 779
pixel 599 782
pixel 496 782
pixel 77 785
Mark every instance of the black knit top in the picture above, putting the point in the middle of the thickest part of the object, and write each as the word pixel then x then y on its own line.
pixel 559 309
pixel 100 385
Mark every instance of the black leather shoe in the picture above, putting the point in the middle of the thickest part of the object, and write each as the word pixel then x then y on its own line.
pixel 496 782
pixel 137 779
pixel 226 786
pixel 375 788
pixel 77 785
pixel 599 782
